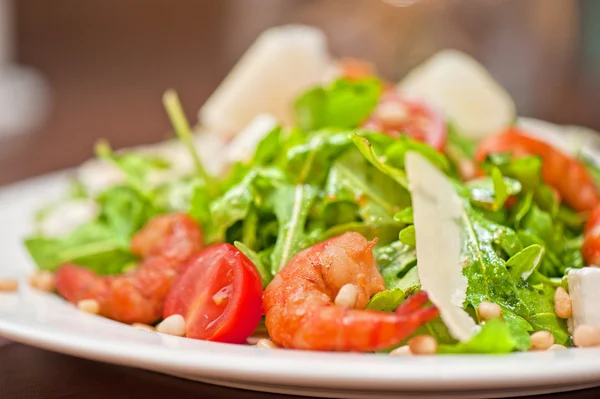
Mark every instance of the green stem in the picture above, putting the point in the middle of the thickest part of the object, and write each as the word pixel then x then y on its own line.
pixel 184 132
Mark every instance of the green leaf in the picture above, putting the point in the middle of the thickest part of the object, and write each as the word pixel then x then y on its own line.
pixel 230 208
pixel 135 167
pixel 526 170
pixel 386 301
pixel 125 212
pixel 396 153
pixel 309 162
pixel 407 236
pixel 405 216
pixel 291 205
pixel 492 192
pixel 92 245
pixel 343 104
pixel 410 282
pixel 489 279
pixel 394 261
pixel 268 148
pixel 495 337
pixel 265 274
pixel 525 262
pixel 378 197
pixel 365 148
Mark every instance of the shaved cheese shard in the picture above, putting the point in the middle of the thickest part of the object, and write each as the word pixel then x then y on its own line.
pixel 282 62
pixel 244 144
pixel 569 139
pixel 437 212
pixel 464 90
pixel 585 296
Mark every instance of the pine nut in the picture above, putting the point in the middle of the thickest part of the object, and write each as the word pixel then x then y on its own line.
pixel 557 347
pixel 562 303
pixel 9 285
pixel 401 351
pixel 488 311
pixel 266 344
pixel 89 306
pixel 172 325
pixel 423 345
pixel 586 336
pixel 347 296
pixel 42 280
pixel 142 326
pixel 541 340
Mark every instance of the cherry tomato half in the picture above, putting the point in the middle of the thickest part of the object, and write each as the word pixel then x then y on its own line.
pixel 395 115
pixel 219 294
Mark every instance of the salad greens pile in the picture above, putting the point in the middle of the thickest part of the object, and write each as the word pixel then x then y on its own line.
pixel 328 176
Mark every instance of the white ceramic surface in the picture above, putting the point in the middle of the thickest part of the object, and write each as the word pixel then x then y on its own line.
pixel 48 322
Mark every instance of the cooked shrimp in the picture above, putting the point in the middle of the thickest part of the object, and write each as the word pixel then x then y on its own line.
pixel 591 239
pixel 564 173
pixel 164 244
pixel 300 304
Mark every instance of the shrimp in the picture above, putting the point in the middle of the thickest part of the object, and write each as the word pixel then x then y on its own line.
pixel 590 250
pixel 564 173
pixel 164 244
pixel 301 311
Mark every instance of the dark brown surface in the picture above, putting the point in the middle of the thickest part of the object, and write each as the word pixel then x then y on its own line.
pixel 108 61
pixel 27 372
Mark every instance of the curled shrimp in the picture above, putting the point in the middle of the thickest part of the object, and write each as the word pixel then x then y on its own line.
pixel 164 244
pixel 590 250
pixel 564 173
pixel 302 303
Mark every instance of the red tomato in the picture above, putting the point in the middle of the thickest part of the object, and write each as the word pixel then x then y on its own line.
pixel 219 294
pixel 395 115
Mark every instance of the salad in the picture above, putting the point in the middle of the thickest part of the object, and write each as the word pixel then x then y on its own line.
pixel 321 207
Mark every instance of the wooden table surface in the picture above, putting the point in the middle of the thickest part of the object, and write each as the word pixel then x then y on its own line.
pixel 107 70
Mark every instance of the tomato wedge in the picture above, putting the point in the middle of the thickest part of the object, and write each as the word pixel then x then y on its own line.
pixel 219 294
pixel 396 115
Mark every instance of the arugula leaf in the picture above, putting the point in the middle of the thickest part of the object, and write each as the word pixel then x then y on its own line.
pixel 495 337
pixel 135 167
pixel 263 270
pixel 492 192
pixel 523 308
pixel 92 245
pixel 405 216
pixel 527 170
pixel 365 148
pixel 229 208
pixel 407 236
pixel 353 180
pixel 268 148
pixel 343 104
pixel 396 153
pixel 525 262
pixel 386 301
pixel 125 212
pixel 394 261
pixel 291 205
pixel 309 162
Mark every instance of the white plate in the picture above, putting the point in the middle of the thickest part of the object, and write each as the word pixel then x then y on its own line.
pixel 48 322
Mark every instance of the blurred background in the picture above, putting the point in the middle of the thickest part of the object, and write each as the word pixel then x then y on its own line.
pixel 101 66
